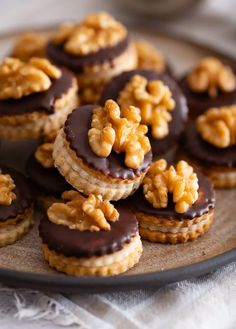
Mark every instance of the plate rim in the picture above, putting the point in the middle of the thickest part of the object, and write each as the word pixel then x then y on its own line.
pixel 66 283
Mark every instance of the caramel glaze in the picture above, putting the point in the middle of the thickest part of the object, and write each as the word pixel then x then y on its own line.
pixel 205 153
pixel 76 132
pixel 179 113
pixel 74 243
pixel 23 199
pixel 198 103
pixel 39 102
pixel 205 202
pixel 78 64
pixel 48 180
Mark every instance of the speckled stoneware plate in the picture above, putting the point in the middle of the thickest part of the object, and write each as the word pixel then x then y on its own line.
pixel 22 264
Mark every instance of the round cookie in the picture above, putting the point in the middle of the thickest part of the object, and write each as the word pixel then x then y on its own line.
pixel 93 62
pixel 86 171
pixel 97 253
pixel 201 100
pixel 178 114
pixel 16 213
pixel 166 225
pixel 33 113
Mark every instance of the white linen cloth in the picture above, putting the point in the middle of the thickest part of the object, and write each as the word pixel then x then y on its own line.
pixel 208 302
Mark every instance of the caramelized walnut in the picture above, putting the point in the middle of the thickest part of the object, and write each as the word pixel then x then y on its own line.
pixel 6 189
pixel 43 153
pixel 212 76
pixel 95 32
pixel 154 99
pixel 217 126
pixel 181 181
pixel 30 45
pixel 125 134
pixel 149 57
pixel 93 213
pixel 18 79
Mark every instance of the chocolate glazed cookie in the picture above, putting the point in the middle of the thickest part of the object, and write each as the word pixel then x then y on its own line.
pixel 179 113
pixel 99 253
pixel 16 216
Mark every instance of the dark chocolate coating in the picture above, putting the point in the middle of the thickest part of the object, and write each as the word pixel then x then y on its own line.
pixel 179 114
pixel 76 131
pixel 75 243
pixel 39 102
pixel 198 103
pixel 23 193
pixel 48 180
pixel 77 64
pixel 205 153
pixel 205 202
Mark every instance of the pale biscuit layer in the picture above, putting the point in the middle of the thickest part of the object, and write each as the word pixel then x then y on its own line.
pixel 113 264
pixel 87 180
pixel 13 232
pixel 157 229
pixel 36 124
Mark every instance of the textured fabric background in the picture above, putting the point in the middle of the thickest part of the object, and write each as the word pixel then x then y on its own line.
pixel 203 303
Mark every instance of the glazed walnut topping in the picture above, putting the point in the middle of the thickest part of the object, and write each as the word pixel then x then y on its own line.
pixel 181 181
pixel 212 76
pixel 95 32
pixel 18 79
pixel 154 99
pixel 149 57
pixel 80 213
pixel 43 153
pixel 125 134
pixel 30 45
pixel 6 189
pixel 217 126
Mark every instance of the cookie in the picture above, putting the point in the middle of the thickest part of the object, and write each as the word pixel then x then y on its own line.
pixel 211 83
pixel 162 209
pixel 72 246
pixel 16 213
pixel 106 50
pixel 209 144
pixel 107 174
pixel 37 100
pixel 161 102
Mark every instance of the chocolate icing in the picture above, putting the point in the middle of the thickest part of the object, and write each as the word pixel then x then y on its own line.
pixel 78 63
pixel 48 180
pixel 23 196
pixel 76 131
pixel 207 154
pixel 39 102
pixel 88 244
pixel 205 202
pixel 179 114
pixel 200 102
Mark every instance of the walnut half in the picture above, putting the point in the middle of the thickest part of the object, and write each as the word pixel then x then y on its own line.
pixel 18 79
pixel 109 131
pixel 43 153
pixel 149 57
pixel 212 76
pixel 217 126
pixel 77 212
pixel 154 99
pixel 97 31
pixel 181 181
pixel 7 186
